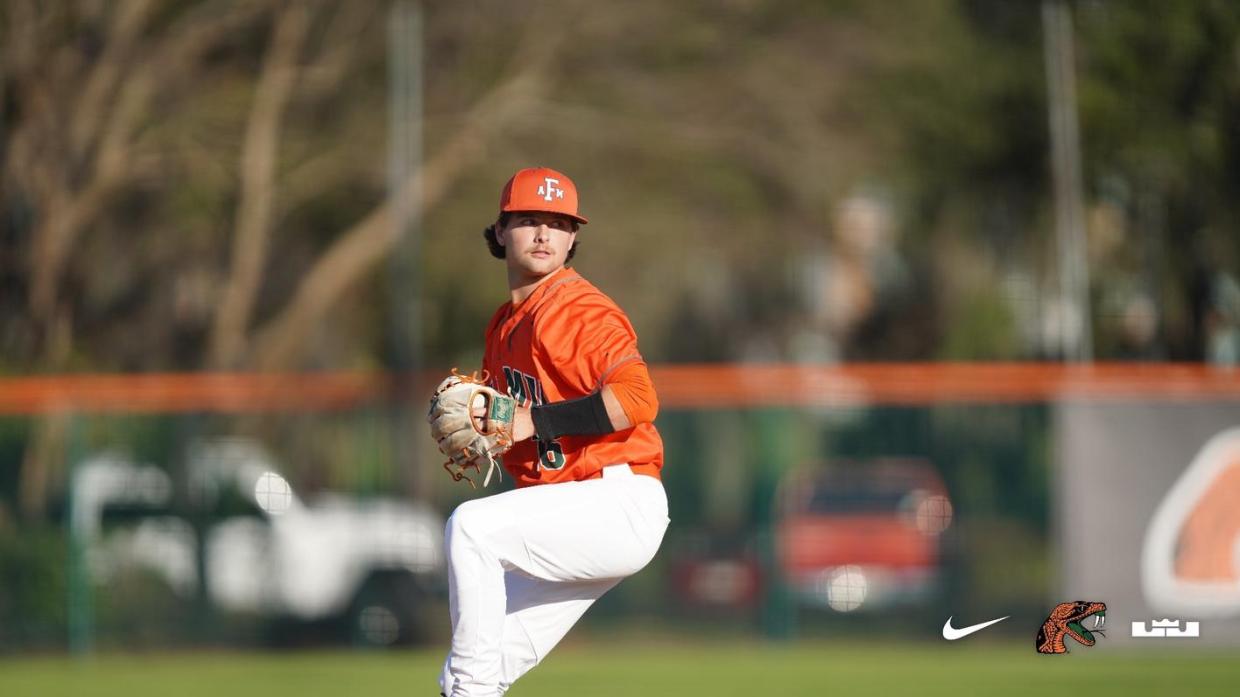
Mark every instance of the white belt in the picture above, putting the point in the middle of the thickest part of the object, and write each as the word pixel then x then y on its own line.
pixel 620 470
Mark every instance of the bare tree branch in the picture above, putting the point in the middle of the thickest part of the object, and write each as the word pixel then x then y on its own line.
pixel 315 175
pixel 101 133
pixel 258 160
pixel 126 26
pixel 278 342
pixel 63 214
pixel 70 211
pixel 46 446
pixel 331 67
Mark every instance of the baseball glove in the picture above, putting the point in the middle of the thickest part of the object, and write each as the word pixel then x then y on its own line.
pixel 472 423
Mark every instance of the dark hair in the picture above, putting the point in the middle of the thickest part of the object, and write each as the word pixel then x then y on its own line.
pixel 497 249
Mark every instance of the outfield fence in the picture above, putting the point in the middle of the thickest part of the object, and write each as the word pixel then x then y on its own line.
pixel 153 510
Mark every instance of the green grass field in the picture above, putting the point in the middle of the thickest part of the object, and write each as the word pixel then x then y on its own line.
pixel 667 668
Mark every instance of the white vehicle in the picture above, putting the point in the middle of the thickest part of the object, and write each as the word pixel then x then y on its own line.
pixel 367 564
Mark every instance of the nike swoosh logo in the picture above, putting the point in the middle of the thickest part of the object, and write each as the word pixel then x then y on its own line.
pixel 950 633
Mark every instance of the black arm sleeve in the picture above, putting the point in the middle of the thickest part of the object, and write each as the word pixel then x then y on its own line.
pixel 586 416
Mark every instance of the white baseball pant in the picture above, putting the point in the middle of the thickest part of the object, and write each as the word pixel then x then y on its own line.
pixel 524 565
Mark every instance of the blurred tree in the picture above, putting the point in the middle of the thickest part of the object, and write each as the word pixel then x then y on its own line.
pixel 202 183
pixel 196 184
pixel 124 123
pixel 255 200
pixel 82 84
pixel 1160 102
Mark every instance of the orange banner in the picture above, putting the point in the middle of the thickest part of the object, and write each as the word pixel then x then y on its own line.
pixel 702 386
pixel 927 383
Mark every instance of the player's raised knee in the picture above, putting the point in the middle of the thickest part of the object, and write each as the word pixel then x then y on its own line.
pixel 464 521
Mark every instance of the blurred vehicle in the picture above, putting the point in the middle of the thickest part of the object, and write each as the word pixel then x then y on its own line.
pixel 363 567
pixel 862 534
pixel 714 575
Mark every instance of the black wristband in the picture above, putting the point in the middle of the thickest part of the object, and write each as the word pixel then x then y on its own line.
pixel 586 416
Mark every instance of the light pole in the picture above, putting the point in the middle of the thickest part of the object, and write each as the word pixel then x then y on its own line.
pixel 404 277
pixel 1076 328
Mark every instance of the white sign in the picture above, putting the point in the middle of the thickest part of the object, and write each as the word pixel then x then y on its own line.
pixel 1178 574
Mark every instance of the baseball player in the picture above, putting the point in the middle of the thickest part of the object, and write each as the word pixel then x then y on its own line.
pixel 568 401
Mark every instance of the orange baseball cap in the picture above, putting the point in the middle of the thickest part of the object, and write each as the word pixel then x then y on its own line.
pixel 540 189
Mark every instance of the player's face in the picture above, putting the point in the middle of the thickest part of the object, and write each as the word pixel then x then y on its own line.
pixel 536 244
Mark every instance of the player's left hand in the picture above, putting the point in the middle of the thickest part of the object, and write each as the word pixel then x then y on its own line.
pixel 471 423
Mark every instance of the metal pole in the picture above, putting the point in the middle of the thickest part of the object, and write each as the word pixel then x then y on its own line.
pixel 81 608
pixel 404 160
pixel 1077 331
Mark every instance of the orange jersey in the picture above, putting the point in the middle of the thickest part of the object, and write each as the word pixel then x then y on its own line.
pixel 565 341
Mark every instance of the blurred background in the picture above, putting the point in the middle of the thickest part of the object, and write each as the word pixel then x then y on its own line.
pixel 942 300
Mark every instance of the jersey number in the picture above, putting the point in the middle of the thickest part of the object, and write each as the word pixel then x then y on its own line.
pixel 525 389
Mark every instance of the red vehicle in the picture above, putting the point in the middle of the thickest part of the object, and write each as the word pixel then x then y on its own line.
pixel 862 533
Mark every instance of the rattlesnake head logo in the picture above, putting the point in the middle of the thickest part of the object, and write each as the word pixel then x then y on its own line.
pixel 1070 620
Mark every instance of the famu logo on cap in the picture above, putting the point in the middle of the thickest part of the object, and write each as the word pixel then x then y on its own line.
pixel 541 189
